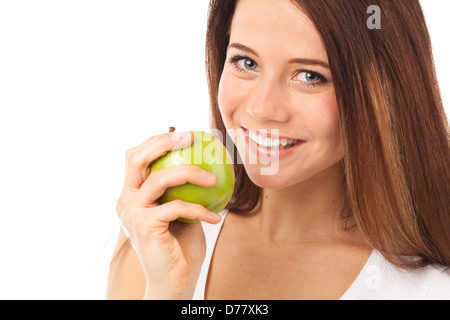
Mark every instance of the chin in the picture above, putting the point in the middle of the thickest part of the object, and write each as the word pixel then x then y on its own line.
pixel 267 177
pixel 284 178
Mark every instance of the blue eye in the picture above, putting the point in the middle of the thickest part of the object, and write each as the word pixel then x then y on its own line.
pixel 309 77
pixel 247 63
pixel 243 64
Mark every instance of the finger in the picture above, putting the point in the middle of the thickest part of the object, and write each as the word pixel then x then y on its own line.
pixel 173 210
pixel 157 219
pixel 158 181
pixel 139 158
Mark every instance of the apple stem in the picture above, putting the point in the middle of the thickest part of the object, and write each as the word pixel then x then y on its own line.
pixel 172 129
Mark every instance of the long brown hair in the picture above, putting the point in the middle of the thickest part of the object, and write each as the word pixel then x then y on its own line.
pixel 393 124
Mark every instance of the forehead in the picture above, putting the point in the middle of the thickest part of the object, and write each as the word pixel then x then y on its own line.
pixel 279 26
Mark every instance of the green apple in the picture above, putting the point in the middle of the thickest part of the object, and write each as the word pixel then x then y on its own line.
pixel 208 153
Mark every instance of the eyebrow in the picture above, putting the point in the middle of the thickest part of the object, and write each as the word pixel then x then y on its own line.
pixel 243 48
pixel 296 60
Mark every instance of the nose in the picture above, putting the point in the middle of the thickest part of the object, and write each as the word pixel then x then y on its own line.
pixel 269 101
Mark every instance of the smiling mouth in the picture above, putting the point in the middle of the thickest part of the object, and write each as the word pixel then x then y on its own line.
pixel 271 141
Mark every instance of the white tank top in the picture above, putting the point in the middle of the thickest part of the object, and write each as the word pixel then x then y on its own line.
pixel 378 279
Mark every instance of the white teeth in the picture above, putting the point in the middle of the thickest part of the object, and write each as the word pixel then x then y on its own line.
pixel 269 142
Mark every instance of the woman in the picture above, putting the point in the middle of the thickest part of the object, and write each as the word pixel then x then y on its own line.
pixel 358 207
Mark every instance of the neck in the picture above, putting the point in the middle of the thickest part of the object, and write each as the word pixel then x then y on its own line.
pixel 304 212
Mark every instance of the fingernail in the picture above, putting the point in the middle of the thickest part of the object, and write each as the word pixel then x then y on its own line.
pixel 178 136
pixel 208 175
pixel 215 215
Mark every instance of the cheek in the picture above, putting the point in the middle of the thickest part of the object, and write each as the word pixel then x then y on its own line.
pixel 324 123
pixel 224 97
pixel 230 96
pixel 324 126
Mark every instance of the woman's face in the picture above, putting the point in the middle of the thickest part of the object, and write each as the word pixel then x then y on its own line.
pixel 276 84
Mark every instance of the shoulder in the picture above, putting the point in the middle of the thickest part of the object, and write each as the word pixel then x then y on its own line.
pixel 382 280
pixel 430 282
pixel 439 289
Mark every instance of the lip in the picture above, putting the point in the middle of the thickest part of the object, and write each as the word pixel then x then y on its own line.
pixel 268 133
pixel 271 152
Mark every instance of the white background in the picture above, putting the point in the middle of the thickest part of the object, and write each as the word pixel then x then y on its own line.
pixel 82 81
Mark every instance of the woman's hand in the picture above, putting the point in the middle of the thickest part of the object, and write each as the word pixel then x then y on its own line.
pixel 170 252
